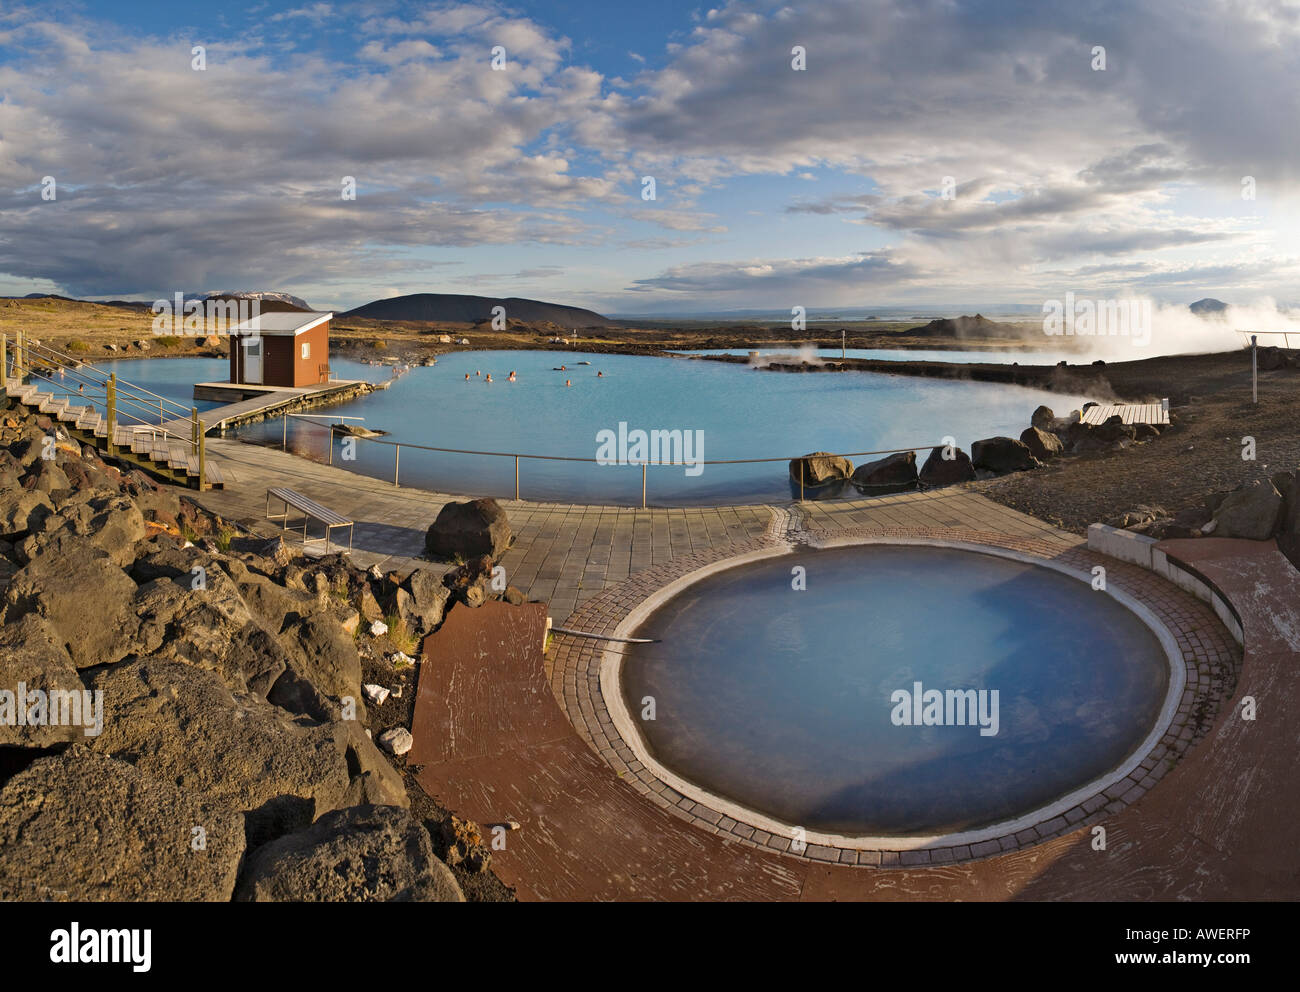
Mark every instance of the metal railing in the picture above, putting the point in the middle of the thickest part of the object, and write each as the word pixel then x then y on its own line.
pixel 397 447
pixel 125 404
pixel 1246 337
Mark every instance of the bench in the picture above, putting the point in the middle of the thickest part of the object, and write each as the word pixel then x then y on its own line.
pixel 325 374
pixel 311 510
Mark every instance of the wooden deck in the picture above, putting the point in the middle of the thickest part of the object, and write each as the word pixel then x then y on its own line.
pixel 267 399
pixel 1130 413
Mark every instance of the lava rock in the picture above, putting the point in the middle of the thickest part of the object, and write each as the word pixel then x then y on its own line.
pixel 940 471
pixel 360 854
pixel 1041 444
pixel 1002 454
pixel 479 527
pixel 820 468
pixel 895 472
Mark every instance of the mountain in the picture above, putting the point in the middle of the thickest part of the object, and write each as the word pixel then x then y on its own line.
pixel 454 308
pixel 271 301
pixel 1207 305
pixel 978 326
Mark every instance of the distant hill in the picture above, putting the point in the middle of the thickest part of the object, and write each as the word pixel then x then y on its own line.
pixel 978 326
pixel 454 308
pixel 1207 305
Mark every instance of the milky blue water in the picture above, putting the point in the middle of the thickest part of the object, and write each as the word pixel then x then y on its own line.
pixel 896 355
pixel 782 699
pixel 742 413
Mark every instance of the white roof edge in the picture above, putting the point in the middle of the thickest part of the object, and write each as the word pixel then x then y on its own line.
pixel 311 319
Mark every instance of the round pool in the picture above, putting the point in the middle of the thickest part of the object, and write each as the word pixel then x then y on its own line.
pixel 893 691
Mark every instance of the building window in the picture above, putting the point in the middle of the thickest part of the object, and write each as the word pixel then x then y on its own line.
pixel 306 350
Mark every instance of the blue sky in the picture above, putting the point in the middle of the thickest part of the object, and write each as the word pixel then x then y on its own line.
pixel 774 187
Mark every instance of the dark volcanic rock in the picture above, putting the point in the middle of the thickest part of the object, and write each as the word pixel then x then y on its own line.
pixel 1251 512
pixel 894 472
pixel 1041 444
pixel 183 725
pixel 939 471
pixel 1003 454
pixel 360 854
pixel 85 827
pixel 479 527
pixel 86 600
pixel 1042 418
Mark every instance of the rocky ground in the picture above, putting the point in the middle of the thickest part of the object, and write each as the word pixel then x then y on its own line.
pixel 253 702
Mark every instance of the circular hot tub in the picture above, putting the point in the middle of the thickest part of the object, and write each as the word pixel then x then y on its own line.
pixel 894 691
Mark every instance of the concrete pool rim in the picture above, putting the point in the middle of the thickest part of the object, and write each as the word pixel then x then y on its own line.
pixel 1064 814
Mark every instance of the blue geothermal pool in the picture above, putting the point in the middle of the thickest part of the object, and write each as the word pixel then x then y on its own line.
pixel 727 411
pixel 803 705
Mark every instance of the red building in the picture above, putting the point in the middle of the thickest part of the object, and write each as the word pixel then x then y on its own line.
pixel 281 349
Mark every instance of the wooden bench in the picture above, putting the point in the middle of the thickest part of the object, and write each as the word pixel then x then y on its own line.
pixel 311 510
pixel 325 374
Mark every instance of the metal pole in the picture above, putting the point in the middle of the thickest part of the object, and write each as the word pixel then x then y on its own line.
pixel 110 404
pixel 203 459
pixel 4 359
pixel 397 461
pixel 18 358
pixel 516 478
pixel 643 467
pixel 331 444
pixel 284 440
pixel 801 482
pixel 842 342
pixel 1254 370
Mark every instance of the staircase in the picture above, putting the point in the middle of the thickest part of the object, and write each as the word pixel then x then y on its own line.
pixel 160 449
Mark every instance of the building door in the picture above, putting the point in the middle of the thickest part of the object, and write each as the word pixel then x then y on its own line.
pixel 252 360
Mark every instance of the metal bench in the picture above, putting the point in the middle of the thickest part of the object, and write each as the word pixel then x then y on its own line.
pixel 311 510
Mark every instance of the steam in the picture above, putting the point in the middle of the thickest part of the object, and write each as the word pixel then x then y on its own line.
pixel 1175 330
pixel 793 356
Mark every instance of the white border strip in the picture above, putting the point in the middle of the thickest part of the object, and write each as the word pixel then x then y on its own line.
pixel 611 689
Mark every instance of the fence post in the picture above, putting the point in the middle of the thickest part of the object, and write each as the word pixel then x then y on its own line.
pixel 203 460
pixel 331 444
pixel 801 482
pixel 110 404
pixel 1254 369
pixel 516 478
pixel 397 461
pixel 643 468
pixel 284 439
pixel 4 359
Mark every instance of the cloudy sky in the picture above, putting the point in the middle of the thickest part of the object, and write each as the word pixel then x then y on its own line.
pixel 931 151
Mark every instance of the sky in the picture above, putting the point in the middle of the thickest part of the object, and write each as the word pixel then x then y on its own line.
pixel 926 152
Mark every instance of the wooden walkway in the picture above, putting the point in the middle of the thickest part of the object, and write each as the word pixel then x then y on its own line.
pixel 265 402
pixel 1130 413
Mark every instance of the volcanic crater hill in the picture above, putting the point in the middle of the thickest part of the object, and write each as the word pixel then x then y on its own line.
pixel 454 308
pixel 976 327
pixel 238 752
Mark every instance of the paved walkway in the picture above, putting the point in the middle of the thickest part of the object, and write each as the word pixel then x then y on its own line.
pixel 563 553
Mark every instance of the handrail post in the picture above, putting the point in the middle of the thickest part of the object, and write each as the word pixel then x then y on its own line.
pixel 330 441
pixel 284 438
pixel 203 460
pixel 643 468
pixel 801 482
pixel 18 357
pixel 194 426
pixel 1254 370
pixel 4 359
pixel 516 478
pixel 110 402
pixel 397 461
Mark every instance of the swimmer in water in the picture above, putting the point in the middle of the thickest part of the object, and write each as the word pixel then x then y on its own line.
pixel 600 375
pixel 568 382
pixel 479 372
pixel 563 368
pixel 512 376
pixel 489 377
pixel 467 377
